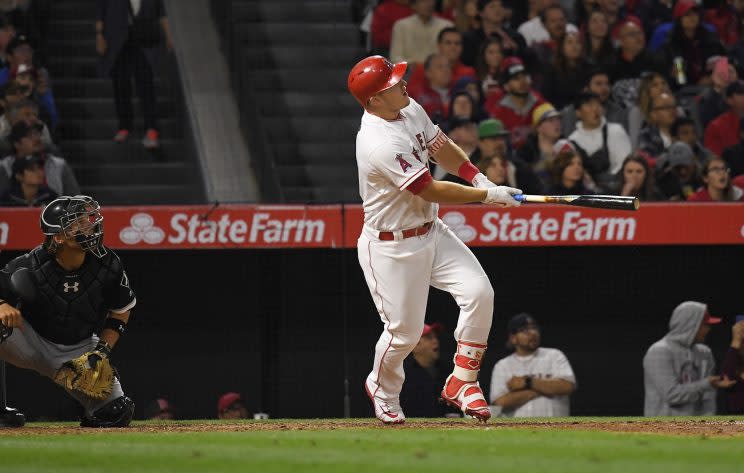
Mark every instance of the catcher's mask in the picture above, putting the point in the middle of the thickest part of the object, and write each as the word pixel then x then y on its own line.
pixel 78 217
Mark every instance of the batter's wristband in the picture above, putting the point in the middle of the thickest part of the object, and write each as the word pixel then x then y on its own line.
pixel 468 171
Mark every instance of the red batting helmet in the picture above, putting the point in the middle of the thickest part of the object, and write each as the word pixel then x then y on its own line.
pixel 372 75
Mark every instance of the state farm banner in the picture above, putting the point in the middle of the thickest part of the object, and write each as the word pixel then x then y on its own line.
pixel 334 226
pixel 559 225
pixel 208 227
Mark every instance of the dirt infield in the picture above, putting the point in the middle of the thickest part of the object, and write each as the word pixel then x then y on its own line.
pixel 704 428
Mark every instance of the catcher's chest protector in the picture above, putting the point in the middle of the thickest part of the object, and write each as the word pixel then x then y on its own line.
pixel 70 306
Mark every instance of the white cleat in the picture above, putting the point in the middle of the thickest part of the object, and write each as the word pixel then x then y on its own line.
pixel 387 411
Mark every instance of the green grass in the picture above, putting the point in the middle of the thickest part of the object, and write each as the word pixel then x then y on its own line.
pixel 357 450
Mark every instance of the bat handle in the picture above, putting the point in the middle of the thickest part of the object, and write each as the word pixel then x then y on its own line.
pixel 519 197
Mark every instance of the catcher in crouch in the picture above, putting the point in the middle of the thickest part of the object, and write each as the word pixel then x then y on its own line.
pixel 55 298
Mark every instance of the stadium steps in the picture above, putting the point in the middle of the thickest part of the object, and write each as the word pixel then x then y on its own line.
pixel 295 56
pixel 115 174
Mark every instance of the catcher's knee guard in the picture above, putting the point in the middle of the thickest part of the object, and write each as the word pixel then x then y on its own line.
pixel 117 413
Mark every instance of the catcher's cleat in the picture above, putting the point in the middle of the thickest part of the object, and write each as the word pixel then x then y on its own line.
pixel 466 396
pixel 388 412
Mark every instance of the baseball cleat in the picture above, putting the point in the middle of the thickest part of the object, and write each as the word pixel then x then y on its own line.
pixel 466 396
pixel 388 412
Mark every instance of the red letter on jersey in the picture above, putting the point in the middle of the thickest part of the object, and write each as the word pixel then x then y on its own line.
pixel 421 140
pixel 403 163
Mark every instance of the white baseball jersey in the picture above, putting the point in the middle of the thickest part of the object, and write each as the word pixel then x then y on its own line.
pixel 391 155
pixel 544 363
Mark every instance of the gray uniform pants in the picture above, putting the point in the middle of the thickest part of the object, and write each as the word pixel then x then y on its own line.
pixel 27 349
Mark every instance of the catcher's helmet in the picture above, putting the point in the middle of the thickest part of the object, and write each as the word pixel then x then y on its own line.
pixel 372 75
pixel 77 217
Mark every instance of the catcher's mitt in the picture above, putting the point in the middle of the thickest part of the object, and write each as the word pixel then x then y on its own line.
pixel 90 374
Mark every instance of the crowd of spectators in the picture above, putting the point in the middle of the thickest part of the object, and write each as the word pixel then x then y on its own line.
pixel 646 93
pixel 31 171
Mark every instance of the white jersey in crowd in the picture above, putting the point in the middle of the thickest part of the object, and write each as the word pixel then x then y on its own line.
pixel 391 155
pixel 547 363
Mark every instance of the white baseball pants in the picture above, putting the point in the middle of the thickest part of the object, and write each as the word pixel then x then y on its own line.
pixel 399 273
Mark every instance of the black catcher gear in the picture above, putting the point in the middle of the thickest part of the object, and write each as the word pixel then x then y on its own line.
pixel 77 217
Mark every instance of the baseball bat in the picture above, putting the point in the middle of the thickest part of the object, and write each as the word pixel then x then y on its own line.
pixel 615 202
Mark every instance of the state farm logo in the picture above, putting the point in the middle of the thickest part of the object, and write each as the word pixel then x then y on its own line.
pixel 457 223
pixel 194 229
pixel 142 229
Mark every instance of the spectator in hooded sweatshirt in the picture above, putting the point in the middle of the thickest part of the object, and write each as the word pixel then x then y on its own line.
pixel 678 369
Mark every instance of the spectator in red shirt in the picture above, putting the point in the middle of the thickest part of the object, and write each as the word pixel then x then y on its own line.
pixel 433 93
pixel 449 44
pixel 724 130
pixel 515 107
pixel 727 18
pixel 718 187
pixel 383 19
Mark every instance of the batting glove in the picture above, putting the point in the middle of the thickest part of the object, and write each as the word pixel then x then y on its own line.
pixel 502 195
pixel 480 181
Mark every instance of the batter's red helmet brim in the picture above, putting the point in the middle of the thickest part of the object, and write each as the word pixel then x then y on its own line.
pixel 373 75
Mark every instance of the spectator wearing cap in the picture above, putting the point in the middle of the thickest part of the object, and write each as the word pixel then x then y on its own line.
pixel 493 139
pixel 515 107
pixel 723 131
pixel 564 77
pixel 604 145
pixel 127 36
pixel 717 183
pixel 424 376
pixel 538 148
pixel 567 171
pixel 656 135
pixel 635 179
pixel 632 58
pixel 231 406
pixel 462 105
pixel 534 381
pixel 691 44
pixel 677 172
pixel 493 16
pixel 433 94
pixel 597 81
pixel 678 369
pixel 415 37
pixel 712 101
pixel 26 140
pixel 159 409
pixel 449 44
pixel 384 17
pixel 27 76
pixel 27 188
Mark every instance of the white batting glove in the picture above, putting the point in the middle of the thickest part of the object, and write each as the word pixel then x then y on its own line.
pixel 502 195
pixel 480 181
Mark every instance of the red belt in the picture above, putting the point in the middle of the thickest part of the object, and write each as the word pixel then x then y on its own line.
pixel 411 232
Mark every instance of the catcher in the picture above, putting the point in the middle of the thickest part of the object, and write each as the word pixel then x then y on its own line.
pixel 55 298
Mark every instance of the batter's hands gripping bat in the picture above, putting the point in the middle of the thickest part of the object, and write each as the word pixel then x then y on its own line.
pixel 614 202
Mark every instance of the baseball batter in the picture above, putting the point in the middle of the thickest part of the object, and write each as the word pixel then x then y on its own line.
pixel 404 247
pixel 55 297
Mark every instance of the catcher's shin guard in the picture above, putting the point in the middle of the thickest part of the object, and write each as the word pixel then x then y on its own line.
pixel 117 413
pixel 461 388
